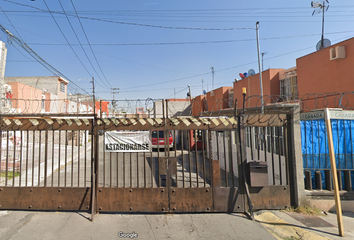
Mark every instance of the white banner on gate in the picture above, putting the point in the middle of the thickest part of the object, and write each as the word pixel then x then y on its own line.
pixel 127 141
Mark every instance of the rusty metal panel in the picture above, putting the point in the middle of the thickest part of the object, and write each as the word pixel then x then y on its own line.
pixel 191 200
pixel 271 197
pixel 132 199
pixel 228 200
pixel 45 198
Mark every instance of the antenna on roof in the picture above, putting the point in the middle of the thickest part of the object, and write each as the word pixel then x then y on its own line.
pixel 320 6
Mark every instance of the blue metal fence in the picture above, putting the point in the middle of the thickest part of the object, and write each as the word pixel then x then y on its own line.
pixel 315 149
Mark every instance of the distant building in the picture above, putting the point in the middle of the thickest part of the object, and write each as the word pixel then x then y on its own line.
pixel 176 107
pixel 33 95
pixel 213 101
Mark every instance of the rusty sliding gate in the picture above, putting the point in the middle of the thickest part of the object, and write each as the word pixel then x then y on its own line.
pixel 178 178
pixel 60 164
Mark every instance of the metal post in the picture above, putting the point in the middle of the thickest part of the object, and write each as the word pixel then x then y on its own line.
pixel 334 174
pixel 94 154
pixel 259 67
pixel 190 98
pixel 323 9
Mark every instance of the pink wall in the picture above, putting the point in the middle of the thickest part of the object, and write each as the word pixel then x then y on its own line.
pixel 26 98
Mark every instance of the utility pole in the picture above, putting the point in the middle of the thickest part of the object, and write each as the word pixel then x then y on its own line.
pixel 259 67
pixel 212 74
pixel 94 98
pixel 263 53
pixel 3 53
pixel 202 86
pixel 190 94
pixel 114 102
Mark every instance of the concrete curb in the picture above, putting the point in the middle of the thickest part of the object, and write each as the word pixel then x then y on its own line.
pixel 282 229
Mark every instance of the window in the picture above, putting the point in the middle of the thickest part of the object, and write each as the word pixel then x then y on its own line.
pixel 288 86
pixel 62 87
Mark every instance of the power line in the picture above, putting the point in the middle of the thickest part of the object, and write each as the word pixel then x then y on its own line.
pixel 66 39
pixel 11 23
pixel 197 42
pixel 34 55
pixel 80 42
pixel 133 24
pixel 93 53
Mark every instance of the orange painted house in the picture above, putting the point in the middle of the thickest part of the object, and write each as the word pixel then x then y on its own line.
pixel 270 85
pixel 198 105
pixel 329 70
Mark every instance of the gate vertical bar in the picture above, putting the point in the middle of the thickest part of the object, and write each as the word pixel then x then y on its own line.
pixel 33 148
pixel 110 169
pixel 13 160
pixel 66 156
pixel 72 158
pixel 7 157
pixel 189 157
pixel 45 157
pixel 59 157
pixel 203 156
pixel 211 165
pixel 196 156
pixel 225 159
pixel 20 177
pixel 124 170
pixel 96 159
pixel 27 153
pixel 78 158
pixel 182 147
pixel 53 159
pixel 39 157
pixel 85 168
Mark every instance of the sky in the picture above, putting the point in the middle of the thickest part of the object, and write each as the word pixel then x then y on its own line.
pixel 154 49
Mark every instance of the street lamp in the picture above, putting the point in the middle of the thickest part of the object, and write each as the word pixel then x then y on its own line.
pixel 259 67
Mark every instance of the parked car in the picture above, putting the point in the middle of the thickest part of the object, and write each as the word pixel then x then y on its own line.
pixel 159 142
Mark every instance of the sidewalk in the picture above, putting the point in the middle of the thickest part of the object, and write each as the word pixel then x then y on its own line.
pixel 73 225
pixel 285 225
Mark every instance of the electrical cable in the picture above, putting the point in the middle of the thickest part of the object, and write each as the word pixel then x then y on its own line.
pixel 66 39
pixel 80 43
pixel 11 23
pixel 93 53
pixel 132 24
pixel 33 54
pixel 199 42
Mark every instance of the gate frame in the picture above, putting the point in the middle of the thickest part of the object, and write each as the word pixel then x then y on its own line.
pixel 295 168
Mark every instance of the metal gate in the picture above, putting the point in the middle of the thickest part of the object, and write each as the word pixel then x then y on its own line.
pixel 170 179
pixel 60 164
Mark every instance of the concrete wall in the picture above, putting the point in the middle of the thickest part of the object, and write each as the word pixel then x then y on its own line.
pixel 180 107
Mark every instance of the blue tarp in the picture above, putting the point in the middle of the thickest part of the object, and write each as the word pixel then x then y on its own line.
pixel 315 153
